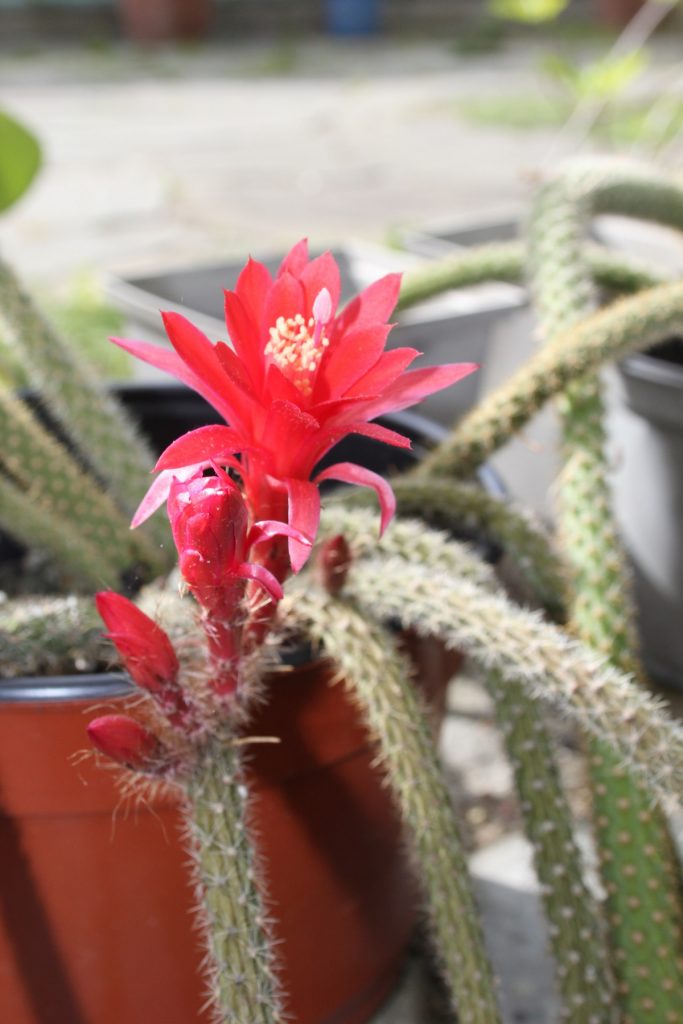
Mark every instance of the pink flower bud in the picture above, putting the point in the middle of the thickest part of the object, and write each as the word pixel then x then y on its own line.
pixel 127 742
pixel 334 562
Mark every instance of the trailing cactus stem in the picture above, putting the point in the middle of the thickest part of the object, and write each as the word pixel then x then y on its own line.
pixel 525 649
pixel 467 508
pixel 577 932
pixel 57 484
pixel 626 326
pixel 96 422
pixel 379 680
pixel 240 963
pixel 506 262
pixel 645 912
pixel 36 528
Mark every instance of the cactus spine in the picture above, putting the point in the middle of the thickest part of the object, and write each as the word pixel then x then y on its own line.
pixel 380 683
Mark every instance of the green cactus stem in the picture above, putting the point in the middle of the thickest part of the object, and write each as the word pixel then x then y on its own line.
pixel 525 649
pixel 645 912
pixel 240 965
pixel 456 506
pixel 96 422
pixel 379 680
pixel 577 929
pixel 80 563
pixel 50 636
pixel 626 326
pixel 506 262
pixel 55 482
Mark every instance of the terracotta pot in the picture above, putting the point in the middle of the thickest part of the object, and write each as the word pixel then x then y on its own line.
pixel 96 898
pixel 157 21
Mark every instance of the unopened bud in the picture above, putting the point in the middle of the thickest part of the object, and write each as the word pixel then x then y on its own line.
pixel 127 742
pixel 334 562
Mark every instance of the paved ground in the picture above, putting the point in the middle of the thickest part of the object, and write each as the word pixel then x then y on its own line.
pixel 178 157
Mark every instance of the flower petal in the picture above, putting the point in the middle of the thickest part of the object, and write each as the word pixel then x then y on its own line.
pixel 304 515
pixel 285 298
pixel 244 332
pixel 379 433
pixel 413 386
pixel 350 473
pixel 252 287
pixel 320 273
pixel 295 260
pixel 388 367
pixel 159 491
pixel 200 446
pixel 350 358
pixel 259 574
pixel 164 359
pixel 373 306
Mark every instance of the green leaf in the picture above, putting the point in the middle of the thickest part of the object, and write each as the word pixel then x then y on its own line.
pixel 530 11
pixel 20 158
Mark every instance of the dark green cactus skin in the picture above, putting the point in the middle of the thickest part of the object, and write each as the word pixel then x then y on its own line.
pixel 645 913
pixel 380 682
pixel 240 963
pixel 96 422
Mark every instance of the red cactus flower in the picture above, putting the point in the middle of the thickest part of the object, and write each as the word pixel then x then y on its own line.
pixel 127 742
pixel 300 378
pixel 147 654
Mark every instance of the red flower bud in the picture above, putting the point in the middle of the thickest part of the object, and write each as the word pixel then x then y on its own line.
pixel 147 654
pixel 127 742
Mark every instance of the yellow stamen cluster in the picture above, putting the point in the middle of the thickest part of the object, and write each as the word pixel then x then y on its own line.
pixel 293 348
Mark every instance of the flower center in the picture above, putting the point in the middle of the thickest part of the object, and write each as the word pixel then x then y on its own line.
pixel 296 346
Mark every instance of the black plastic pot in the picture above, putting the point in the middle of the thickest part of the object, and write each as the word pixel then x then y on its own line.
pixel 647 437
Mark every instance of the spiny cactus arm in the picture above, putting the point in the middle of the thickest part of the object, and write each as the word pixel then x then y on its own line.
pixel 577 931
pixel 626 187
pixel 626 326
pixel 455 505
pixel 51 476
pixel 96 422
pixel 379 681
pixel 408 539
pixel 240 965
pixel 643 892
pixel 50 636
pixel 577 934
pixel 24 519
pixel 506 262
pixel 525 649
pixel 502 262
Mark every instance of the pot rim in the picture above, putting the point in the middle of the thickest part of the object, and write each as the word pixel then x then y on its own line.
pixel 59 689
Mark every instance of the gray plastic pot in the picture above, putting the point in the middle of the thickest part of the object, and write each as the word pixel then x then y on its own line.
pixel 455 327
pixel 646 427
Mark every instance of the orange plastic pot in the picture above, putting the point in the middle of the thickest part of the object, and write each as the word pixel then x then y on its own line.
pixel 95 922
